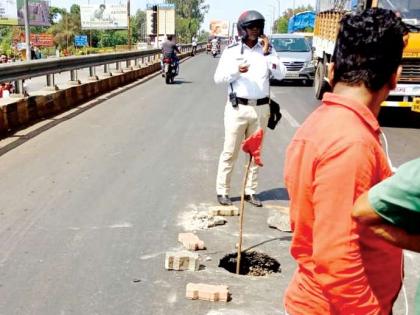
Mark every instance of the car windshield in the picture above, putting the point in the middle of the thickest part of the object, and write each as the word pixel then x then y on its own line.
pixel 409 9
pixel 290 44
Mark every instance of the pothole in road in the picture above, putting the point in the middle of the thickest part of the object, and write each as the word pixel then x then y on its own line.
pixel 252 264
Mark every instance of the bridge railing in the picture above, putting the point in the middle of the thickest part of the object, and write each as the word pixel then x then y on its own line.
pixel 18 72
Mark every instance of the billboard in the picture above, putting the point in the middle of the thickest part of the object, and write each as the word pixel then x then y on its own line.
pixel 219 28
pixel 8 12
pixel 166 19
pixel 38 40
pixel 42 40
pixel 38 12
pixel 104 16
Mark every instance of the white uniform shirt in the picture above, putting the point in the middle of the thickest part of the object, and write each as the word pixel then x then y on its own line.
pixel 253 84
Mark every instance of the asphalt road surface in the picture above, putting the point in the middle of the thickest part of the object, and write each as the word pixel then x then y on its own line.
pixel 92 199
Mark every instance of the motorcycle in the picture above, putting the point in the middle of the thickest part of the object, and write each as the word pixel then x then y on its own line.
pixel 169 69
pixel 214 51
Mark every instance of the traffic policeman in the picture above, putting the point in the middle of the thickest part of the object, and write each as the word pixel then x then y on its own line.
pixel 246 67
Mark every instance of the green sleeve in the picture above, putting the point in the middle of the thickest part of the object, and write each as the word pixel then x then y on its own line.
pixel 397 199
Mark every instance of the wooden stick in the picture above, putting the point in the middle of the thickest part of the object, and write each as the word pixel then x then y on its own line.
pixel 241 213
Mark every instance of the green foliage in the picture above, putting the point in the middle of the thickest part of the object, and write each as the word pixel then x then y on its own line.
pixel 189 14
pixel 65 25
pixel 282 23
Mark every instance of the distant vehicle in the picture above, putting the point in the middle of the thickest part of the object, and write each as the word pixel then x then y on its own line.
pixel 301 21
pixel 296 54
pixel 142 46
pixel 406 96
pixel 309 37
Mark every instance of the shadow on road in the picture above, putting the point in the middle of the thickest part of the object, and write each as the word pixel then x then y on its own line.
pixel 283 238
pixel 272 194
pixel 181 82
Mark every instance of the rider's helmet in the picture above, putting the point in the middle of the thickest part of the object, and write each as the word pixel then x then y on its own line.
pixel 250 18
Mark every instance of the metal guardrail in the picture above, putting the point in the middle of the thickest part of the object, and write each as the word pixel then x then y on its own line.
pixel 17 72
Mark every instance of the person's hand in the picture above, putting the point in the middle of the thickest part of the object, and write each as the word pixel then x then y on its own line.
pixel 266 43
pixel 243 67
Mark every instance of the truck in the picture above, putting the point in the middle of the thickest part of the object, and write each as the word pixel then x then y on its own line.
pixel 329 12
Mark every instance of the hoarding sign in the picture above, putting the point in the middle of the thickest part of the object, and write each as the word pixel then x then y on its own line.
pixel 219 28
pixel 103 16
pixel 42 40
pixel 38 12
pixel 39 40
pixel 8 12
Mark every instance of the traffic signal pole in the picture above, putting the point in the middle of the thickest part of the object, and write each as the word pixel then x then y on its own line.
pixel 128 25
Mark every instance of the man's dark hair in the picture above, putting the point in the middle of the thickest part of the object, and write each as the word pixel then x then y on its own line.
pixel 169 37
pixel 368 48
pixel 102 6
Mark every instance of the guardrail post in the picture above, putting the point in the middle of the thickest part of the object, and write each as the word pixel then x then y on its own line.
pixel 136 63
pixel 19 89
pixel 92 74
pixel 118 67
pixel 128 65
pixel 51 83
pixel 73 78
pixel 106 71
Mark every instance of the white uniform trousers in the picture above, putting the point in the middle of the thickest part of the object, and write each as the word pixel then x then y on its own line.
pixel 240 123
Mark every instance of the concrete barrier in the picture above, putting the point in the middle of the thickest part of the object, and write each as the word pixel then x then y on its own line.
pixel 16 113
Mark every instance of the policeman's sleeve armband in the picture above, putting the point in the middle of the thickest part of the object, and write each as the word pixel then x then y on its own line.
pixel 233 45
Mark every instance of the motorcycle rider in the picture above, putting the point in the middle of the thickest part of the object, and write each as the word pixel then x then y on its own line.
pixel 169 50
pixel 194 45
pixel 214 45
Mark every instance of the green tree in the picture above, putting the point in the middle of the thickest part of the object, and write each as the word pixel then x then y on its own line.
pixel 67 27
pixel 189 14
pixel 138 26
pixel 281 24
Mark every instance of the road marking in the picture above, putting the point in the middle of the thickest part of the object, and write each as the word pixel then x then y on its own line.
pixel 293 122
pixel 121 225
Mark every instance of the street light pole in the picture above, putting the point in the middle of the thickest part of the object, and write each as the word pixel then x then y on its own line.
pixel 274 18
pixel 128 25
pixel 278 2
pixel 27 30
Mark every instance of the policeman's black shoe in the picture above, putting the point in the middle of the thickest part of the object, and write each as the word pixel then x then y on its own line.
pixel 254 200
pixel 224 200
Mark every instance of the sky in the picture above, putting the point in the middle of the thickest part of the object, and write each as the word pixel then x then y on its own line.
pixel 219 9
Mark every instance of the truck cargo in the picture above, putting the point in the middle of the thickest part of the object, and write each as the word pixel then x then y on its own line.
pixel 407 93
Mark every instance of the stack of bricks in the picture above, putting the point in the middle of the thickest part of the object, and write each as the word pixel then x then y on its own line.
pixel 182 261
pixel 191 241
pixel 223 211
pixel 207 292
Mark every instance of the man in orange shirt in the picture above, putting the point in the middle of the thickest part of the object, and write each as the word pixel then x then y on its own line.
pixel 336 155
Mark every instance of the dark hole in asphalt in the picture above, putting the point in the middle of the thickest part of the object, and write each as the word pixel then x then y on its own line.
pixel 252 264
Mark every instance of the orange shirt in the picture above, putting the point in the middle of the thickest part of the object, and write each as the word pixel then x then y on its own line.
pixel 342 268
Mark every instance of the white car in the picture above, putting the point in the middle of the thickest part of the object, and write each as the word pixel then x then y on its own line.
pixel 295 52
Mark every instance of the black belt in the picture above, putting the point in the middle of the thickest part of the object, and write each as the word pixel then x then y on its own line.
pixel 261 101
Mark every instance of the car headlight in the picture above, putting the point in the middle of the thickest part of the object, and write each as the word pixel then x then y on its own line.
pixel 309 64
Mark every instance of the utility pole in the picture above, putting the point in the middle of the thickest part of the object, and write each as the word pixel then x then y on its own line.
pixel 274 18
pixel 27 30
pixel 128 25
